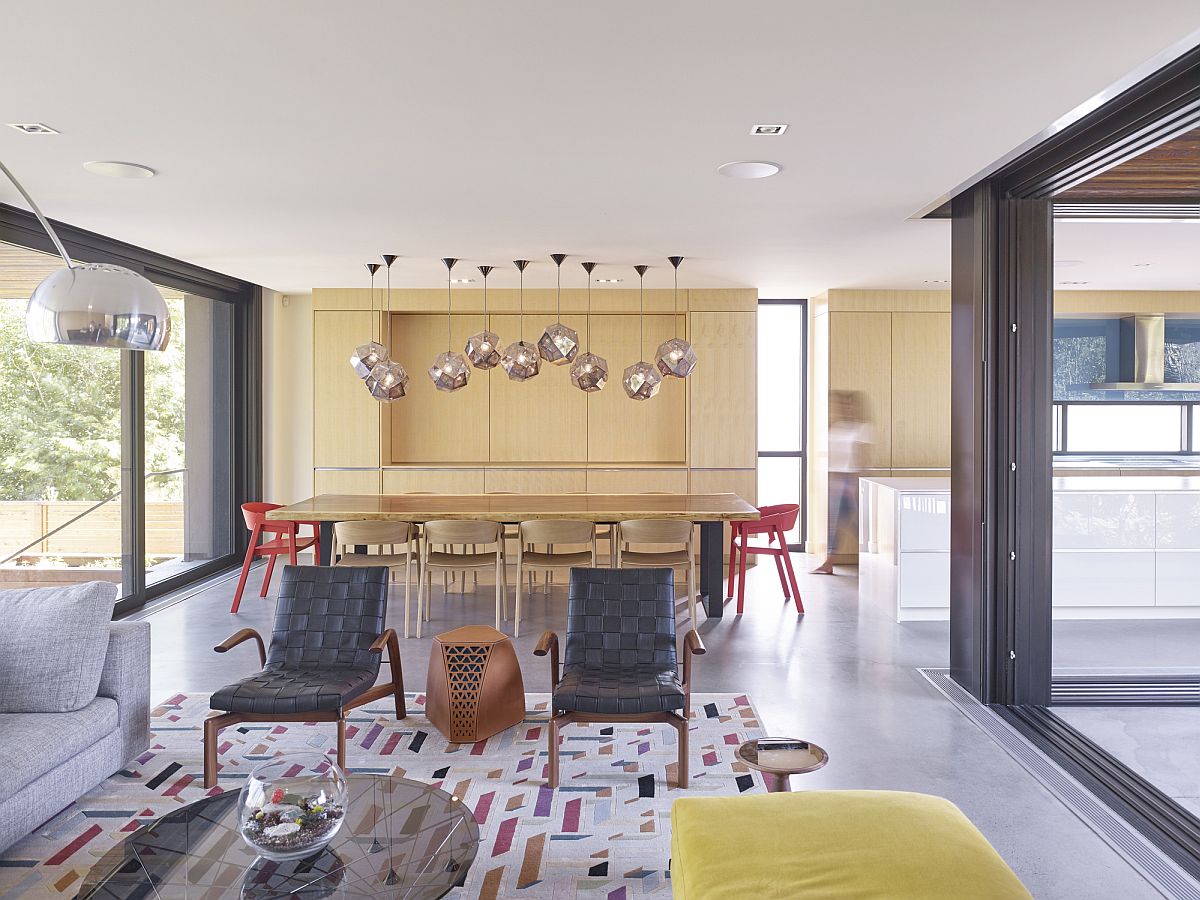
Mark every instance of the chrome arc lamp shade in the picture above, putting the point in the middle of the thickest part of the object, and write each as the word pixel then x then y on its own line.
pixel 589 372
pixel 98 305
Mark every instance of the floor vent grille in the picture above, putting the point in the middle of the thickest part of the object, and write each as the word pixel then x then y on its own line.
pixel 1155 866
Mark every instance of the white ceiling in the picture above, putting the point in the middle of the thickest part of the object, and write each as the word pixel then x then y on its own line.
pixel 297 140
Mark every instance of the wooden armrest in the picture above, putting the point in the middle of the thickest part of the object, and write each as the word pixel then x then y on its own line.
pixel 548 643
pixel 242 636
pixel 382 641
pixel 692 646
pixel 692 642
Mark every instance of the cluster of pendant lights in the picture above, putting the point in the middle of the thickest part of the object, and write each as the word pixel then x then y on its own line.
pixel 387 379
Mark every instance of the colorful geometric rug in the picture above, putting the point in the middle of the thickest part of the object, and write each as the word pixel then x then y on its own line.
pixel 603 835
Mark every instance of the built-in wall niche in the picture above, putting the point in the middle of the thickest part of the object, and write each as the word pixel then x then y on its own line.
pixel 545 419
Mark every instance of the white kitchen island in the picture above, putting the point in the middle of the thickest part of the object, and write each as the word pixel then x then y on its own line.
pixel 1125 546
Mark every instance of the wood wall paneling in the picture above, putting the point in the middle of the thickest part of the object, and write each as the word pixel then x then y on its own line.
pixel 433 481
pixel 347 481
pixel 543 419
pixel 860 359
pixel 428 425
pixel 743 482
pixel 637 481
pixel 531 480
pixel 721 390
pixel 920 423
pixel 346 418
pixel 620 430
pixel 818 425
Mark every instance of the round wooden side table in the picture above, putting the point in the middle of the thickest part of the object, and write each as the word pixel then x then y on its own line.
pixel 781 757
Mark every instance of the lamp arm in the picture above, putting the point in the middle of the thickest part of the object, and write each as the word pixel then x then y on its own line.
pixel 62 251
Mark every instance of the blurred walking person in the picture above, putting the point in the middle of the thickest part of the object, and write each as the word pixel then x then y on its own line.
pixel 849 442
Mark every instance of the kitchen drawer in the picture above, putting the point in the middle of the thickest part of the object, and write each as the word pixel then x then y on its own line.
pixel 1103 521
pixel 1177 521
pixel 1177 578
pixel 924 522
pixel 925 580
pixel 1104 578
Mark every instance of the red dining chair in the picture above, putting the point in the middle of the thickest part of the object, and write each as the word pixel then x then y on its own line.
pixel 255 515
pixel 774 521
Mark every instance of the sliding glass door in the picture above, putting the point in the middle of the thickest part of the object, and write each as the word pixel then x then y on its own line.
pixel 119 465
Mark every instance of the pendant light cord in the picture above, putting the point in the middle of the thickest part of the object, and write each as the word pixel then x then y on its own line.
pixel 641 315
pixel 522 329
pixel 559 293
pixel 62 251
pixel 448 302
pixel 374 321
pixel 589 313
pixel 487 320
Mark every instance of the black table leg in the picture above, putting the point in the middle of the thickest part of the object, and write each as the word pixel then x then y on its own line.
pixel 712 545
pixel 326 544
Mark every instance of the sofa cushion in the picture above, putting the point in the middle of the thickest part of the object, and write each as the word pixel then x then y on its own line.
pixel 835 845
pixel 52 646
pixel 32 744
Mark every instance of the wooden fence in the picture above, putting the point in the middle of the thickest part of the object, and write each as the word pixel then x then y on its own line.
pixel 98 534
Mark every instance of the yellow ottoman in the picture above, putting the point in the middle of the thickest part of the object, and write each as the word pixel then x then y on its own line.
pixel 890 845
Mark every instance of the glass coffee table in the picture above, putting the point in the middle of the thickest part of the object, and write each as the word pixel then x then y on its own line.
pixel 781 757
pixel 401 838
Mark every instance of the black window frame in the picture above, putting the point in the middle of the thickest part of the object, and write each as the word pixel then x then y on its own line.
pixel 20 228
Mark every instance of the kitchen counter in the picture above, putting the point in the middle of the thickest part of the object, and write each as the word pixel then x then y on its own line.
pixel 1125 546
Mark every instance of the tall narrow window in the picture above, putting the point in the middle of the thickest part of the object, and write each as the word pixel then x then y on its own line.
pixel 781 407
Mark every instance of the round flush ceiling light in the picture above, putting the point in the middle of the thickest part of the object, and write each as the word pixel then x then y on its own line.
pixel 750 169
pixel 112 169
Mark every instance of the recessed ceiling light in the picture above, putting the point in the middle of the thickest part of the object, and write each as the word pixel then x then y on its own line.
pixel 608 281
pixel 1141 265
pixel 461 280
pixel 112 169
pixel 1071 283
pixel 1067 263
pixel 768 129
pixel 937 280
pixel 32 128
pixel 749 169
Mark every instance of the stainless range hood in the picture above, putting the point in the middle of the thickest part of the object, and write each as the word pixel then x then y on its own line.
pixel 1142 358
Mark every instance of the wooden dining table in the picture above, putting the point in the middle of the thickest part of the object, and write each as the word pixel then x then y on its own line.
pixel 709 511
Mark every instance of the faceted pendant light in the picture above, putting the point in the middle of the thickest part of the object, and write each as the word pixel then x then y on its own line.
pixel 589 372
pixel 388 381
pixel 93 304
pixel 449 371
pixel 370 354
pixel 641 380
pixel 559 344
pixel 675 358
pixel 483 348
pixel 520 360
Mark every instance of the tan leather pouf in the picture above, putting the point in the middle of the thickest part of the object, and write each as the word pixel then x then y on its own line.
pixel 474 687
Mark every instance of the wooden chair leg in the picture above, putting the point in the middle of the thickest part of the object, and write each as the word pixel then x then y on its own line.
pixel 693 589
pixel 341 742
pixel 552 733
pixel 212 732
pixel 407 588
pixel 682 727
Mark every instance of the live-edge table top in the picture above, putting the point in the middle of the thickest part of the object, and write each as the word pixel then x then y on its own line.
pixel 511 508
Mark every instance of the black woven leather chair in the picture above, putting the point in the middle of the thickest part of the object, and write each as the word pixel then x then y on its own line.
pixel 620 663
pixel 326 644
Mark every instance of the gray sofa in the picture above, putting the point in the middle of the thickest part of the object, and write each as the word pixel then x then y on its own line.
pixel 49 759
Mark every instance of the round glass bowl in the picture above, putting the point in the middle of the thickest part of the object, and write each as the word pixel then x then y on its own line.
pixel 291 806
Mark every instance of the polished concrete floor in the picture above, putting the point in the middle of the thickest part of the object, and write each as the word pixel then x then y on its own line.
pixel 843 676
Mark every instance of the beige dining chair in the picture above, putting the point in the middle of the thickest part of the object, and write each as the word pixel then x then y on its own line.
pixel 550 532
pixel 451 532
pixel 395 544
pixel 659 532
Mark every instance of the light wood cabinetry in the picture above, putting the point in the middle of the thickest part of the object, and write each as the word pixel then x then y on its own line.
pixel 417 424
pixel 721 390
pixel 543 419
pixel 530 480
pixel 920 426
pixel 347 481
pixel 433 480
pixel 345 416
pixel 637 481
pixel 620 430
pixel 860 359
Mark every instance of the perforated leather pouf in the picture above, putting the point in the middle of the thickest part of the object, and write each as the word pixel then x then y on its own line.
pixel 474 688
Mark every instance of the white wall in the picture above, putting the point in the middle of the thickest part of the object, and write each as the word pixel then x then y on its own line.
pixel 287 397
